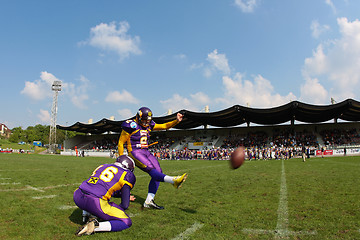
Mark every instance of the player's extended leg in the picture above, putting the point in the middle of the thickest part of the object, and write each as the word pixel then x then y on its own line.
pixel 148 163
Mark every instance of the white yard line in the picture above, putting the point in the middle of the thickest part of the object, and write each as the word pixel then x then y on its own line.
pixel 34 188
pixel 14 183
pixel 42 197
pixel 283 215
pixel 281 231
pixel 66 207
pixel 39 189
pixel 190 231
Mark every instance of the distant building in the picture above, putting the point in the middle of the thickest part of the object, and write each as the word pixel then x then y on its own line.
pixel 4 131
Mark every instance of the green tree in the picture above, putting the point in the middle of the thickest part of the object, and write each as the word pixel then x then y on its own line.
pixel 17 135
pixel 40 133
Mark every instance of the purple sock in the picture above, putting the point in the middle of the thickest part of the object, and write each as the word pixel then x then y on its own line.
pixel 156 175
pixel 153 186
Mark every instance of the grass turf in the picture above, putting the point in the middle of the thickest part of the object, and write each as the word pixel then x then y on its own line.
pixel 316 199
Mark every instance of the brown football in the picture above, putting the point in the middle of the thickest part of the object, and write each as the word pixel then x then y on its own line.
pixel 237 158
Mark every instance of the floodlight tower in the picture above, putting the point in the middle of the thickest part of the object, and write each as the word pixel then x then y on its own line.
pixel 56 87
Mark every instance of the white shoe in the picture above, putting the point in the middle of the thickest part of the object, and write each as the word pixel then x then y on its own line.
pixel 152 204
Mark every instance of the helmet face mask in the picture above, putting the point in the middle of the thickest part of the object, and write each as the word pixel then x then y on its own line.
pixel 144 116
pixel 144 122
pixel 125 162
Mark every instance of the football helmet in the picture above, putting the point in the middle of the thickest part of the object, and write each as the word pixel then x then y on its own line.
pixel 125 162
pixel 144 116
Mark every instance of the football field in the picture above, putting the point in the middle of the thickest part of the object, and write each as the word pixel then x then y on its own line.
pixel 276 199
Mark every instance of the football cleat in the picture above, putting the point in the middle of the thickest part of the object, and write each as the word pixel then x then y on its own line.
pixel 88 228
pixel 87 216
pixel 178 181
pixel 153 205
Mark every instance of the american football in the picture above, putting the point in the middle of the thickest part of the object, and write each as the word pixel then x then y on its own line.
pixel 237 158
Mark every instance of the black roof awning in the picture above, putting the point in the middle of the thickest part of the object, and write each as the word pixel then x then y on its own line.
pixel 348 110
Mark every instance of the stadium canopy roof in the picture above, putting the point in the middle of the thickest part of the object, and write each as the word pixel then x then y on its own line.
pixel 348 110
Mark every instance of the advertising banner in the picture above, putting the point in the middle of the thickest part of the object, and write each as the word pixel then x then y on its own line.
pixel 326 152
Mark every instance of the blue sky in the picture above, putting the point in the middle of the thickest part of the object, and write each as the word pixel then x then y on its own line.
pixel 115 56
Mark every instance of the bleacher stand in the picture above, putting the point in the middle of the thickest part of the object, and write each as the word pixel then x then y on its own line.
pixel 271 143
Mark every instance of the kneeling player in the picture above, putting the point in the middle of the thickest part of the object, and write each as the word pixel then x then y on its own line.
pixel 93 195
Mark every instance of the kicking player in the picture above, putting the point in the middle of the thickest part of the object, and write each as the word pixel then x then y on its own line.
pixel 93 196
pixel 135 134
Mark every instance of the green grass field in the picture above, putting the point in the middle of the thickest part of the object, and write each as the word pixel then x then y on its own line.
pixel 318 199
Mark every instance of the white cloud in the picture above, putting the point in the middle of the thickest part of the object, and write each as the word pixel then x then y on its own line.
pixel 317 64
pixel 318 29
pixel 207 72
pixel 44 116
pixel 113 38
pixel 125 113
pixel 196 66
pixel 196 102
pixel 331 4
pixel 40 89
pixel 78 93
pixel 336 66
pixel 200 98
pixel 313 92
pixel 180 56
pixel 123 97
pixel 256 93
pixel 246 5
pixel 219 62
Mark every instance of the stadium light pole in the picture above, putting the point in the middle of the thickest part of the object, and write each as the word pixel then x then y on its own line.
pixel 56 87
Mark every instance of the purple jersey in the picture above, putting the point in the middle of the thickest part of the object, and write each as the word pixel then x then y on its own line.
pixel 106 180
pixel 139 135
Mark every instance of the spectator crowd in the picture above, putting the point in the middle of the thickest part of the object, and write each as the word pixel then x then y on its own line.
pixel 281 144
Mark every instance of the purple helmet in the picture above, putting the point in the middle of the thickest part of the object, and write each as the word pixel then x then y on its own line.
pixel 125 162
pixel 144 116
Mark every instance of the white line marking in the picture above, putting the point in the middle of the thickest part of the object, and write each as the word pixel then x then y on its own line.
pixel 186 234
pixel 66 207
pixel 281 231
pixel 40 189
pixel 62 185
pixel 34 188
pixel 20 170
pixel 42 197
pixel 78 184
pixel 14 183
pixel 133 214
pixel 283 216
pixel 291 233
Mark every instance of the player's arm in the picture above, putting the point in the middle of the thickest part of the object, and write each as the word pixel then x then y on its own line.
pixel 170 124
pixel 124 137
pixel 125 196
